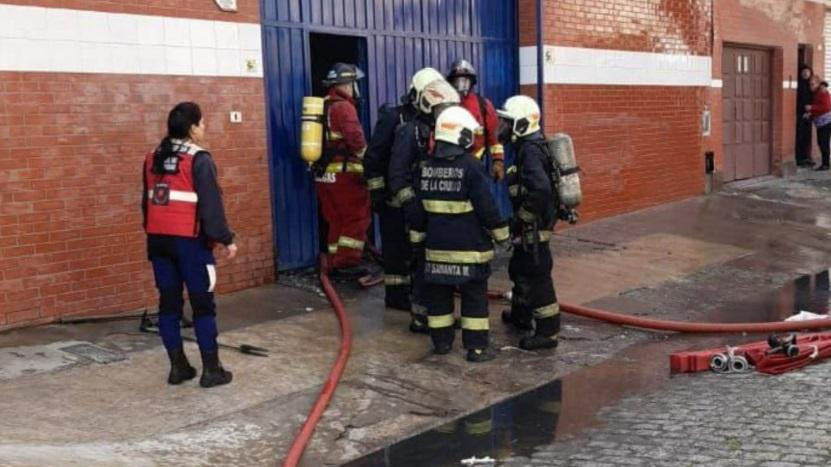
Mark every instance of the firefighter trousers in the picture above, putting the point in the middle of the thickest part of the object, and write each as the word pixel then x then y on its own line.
pixel 179 262
pixel 440 306
pixel 533 292
pixel 419 304
pixel 397 253
pixel 344 204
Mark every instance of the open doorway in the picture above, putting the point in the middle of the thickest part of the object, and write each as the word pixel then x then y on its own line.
pixel 325 50
pixel 804 130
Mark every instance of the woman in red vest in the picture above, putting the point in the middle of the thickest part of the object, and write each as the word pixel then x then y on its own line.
pixel 184 218
pixel 820 112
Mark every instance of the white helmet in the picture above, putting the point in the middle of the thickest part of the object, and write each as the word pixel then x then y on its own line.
pixel 437 92
pixel 524 114
pixel 456 126
pixel 420 80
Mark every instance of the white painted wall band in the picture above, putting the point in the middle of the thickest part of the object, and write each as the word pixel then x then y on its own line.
pixel 75 41
pixel 717 83
pixel 576 65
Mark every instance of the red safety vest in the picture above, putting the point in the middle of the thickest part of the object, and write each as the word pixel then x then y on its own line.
pixel 171 198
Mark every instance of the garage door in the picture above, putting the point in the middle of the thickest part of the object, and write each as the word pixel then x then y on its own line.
pixel 746 114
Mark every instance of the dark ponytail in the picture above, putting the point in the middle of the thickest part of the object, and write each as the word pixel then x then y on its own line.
pixel 179 121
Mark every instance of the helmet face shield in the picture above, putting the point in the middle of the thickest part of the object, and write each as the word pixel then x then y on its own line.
pixel 462 84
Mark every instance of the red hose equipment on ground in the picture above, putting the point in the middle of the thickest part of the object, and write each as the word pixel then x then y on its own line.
pixel 680 326
pixel 299 443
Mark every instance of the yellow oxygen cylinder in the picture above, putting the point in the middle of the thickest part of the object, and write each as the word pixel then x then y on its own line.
pixel 311 130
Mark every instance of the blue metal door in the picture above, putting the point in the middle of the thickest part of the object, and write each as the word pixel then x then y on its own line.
pixel 401 37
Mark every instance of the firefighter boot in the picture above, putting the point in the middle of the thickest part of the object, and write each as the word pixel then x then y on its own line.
pixel 508 317
pixel 537 341
pixel 212 372
pixel 180 369
pixel 481 355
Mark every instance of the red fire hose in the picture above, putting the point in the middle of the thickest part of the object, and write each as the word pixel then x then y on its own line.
pixel 299 443
pixel 681 326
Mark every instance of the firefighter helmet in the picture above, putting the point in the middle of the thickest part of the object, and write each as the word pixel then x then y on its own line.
pixel 455 125
pixel 342 73
pixel 462 68
pixel 419 81
pixel 438 92
pixel 522 114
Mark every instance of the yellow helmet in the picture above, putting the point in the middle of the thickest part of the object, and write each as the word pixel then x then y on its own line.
pixel 455 125
pixel 524 114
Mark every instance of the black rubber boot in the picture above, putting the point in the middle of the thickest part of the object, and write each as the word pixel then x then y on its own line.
pixel 442 349
pixel 419 325
pixel 212 372
pixel 508 318
pixel 481 355
pixel 538 342
pixel 180 369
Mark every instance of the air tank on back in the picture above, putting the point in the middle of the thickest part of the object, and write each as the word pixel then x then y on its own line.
pixel 568 186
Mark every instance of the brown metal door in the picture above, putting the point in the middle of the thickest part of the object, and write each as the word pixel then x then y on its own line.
pixel 746 125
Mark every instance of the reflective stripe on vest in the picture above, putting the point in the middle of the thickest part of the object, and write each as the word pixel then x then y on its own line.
pixel 434 206
pixel 458 257
pixel 171 197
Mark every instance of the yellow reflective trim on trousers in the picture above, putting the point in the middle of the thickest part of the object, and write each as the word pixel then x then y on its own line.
pixel 417 237
pixel 458 257
pixel 442 321
pixel 435 206
pixel 543 237
pixel 405 194
pixel 349 242
pixel 351 167
pixel 475 324
pixel 375 183
pixel 527 216
pixel 501 234
pixel 478 428
pixel 393 279
pixel 513 190
pixel 333 248
pixel 547 311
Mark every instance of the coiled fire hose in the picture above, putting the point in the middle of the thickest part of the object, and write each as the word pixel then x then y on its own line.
pixel 328 390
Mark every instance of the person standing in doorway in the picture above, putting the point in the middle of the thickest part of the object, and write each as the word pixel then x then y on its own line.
pixel 820 112
pixel 341 189
pixel 184 218
pixel 804 97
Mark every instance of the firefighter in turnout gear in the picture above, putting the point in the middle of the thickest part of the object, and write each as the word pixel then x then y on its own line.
pixel 184 218
pixel 341 191
pixel 412 146
pixel 533 196
pixel 397 251
pixel 486 143
pixel 461 220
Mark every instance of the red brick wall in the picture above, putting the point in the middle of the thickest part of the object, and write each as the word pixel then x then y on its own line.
pixel 780 25
pixel 637 146
pixel 71 149
pixel 249 10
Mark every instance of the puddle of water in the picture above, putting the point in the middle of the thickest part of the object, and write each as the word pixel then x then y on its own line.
pixel 566 407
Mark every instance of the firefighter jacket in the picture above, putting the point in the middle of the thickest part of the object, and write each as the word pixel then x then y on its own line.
pixel 187 200
pixel 486 138
pixel 461 218
pixel 377 157
pixel 531 189
pixel 344 140
pixel 411 148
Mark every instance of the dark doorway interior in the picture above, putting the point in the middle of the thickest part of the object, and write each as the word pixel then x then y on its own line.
pixel 325 50
pixel 804 129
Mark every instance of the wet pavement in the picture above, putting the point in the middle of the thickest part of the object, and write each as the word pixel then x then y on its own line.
pixel 756 252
